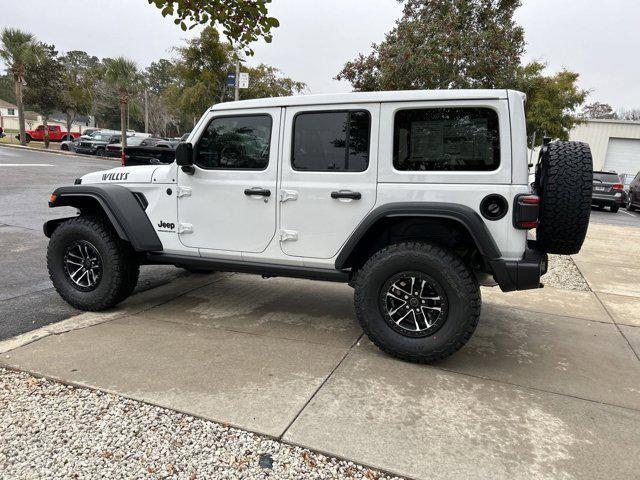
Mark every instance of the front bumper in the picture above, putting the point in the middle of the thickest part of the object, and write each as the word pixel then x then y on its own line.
pixel 86 151
pixel 520 274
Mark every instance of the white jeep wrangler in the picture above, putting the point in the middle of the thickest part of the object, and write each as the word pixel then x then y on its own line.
pixel 414 198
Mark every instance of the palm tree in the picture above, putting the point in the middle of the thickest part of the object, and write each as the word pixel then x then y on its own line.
pixel 122 74
pixel 17 49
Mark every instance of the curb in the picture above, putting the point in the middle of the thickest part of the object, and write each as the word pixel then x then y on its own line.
pixel 45 150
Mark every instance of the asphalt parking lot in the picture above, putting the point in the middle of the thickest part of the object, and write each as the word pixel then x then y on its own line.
pixel 548 388
pixel 27 298
pixel 623 217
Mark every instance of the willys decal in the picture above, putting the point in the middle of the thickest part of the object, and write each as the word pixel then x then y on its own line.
pixel 114 177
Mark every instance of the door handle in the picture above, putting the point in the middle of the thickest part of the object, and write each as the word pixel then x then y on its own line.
pixel 263 192
pixel 346 194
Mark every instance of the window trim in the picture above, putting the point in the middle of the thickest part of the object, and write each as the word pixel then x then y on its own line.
pixel 339 110
pixel 217 117
pixel 450 107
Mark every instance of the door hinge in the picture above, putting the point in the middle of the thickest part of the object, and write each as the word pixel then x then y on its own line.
pixel 185 228
pixel 183 192
pixel 288 235
pixel 286 195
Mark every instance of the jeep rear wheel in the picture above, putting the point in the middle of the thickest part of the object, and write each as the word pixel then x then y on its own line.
pixel 90 267
pixel 417 301
pixel 564 183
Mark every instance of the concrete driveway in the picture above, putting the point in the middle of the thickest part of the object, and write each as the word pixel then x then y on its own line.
pixel 549 387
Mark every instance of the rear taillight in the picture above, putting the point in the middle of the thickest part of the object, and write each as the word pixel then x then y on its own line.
pixel 526 209
pixel 618 186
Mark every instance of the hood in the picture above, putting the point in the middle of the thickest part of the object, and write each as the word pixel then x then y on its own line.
pixel 138 174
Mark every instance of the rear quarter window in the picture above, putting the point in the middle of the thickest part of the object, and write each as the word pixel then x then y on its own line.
pixel 446 139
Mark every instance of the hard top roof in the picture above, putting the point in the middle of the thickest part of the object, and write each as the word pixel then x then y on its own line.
pixel 365 97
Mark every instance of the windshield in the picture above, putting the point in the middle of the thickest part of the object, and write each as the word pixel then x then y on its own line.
pixel 606 177
pixel 134 141
pixel 102 137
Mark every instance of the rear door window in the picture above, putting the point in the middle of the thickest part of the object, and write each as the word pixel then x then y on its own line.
pixel 441 139
pixel 331 141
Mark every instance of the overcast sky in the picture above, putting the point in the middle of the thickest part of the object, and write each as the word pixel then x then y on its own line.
pixel 598 39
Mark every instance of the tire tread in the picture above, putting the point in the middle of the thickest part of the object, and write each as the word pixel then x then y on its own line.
pixel 456 267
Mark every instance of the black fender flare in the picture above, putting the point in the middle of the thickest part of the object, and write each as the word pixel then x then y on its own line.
pixel 465 216
pixel 120 206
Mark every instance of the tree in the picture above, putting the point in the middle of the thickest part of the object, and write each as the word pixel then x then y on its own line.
pixel 44 85
pixel 122 74
pixel 551 100
pixel 632 115
pixel 598 110
pixel 7 90
pixel 200 78
pixel 80 73
pixel 443 44
pixel 267 81
pixel 242 21
pixel 17 49
pixel 159 75
pixel 200 70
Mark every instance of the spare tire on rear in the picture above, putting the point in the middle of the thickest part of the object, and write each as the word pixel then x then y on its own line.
pixel 564 183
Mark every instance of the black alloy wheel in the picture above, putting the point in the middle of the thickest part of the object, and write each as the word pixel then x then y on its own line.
pixel 414 304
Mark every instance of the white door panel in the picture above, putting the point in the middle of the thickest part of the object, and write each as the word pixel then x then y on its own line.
pixel 222 215
pixel 321 224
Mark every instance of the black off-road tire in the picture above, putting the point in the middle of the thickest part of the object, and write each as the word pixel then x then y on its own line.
pixel 120 267
pixel 445 267
pixel 614 208
pixel 64 148
pixel 630 207
pixel 564 183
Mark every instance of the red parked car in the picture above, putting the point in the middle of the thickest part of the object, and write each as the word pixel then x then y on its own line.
pixel 56 134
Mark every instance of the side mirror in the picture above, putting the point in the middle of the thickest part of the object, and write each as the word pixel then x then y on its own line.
pixel 184 157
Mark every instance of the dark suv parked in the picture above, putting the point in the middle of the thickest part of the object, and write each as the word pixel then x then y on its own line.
pixel 633 200
pixel 607 190
pixel 97 144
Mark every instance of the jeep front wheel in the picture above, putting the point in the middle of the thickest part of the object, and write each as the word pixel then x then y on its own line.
pixel 417 301
pixel 90 267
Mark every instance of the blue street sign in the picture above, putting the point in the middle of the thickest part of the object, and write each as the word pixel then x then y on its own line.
pixel 231 79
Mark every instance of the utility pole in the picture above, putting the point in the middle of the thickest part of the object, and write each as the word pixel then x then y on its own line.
pixel 146 111
pixel 237 95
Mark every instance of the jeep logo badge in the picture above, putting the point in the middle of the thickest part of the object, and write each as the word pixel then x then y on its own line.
pixel 169 226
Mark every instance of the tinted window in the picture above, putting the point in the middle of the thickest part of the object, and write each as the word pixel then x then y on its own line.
pixel 235 143
pixel 331 141
pixel 436 139
pixel 606 177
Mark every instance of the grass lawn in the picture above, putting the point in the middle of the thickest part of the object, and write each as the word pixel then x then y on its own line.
pixel 11 140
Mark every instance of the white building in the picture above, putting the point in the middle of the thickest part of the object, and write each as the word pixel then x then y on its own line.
pixel 9 119
pixel 615 144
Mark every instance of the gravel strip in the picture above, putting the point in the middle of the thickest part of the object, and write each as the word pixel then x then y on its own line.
pixel 49 430
pixel 564 274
